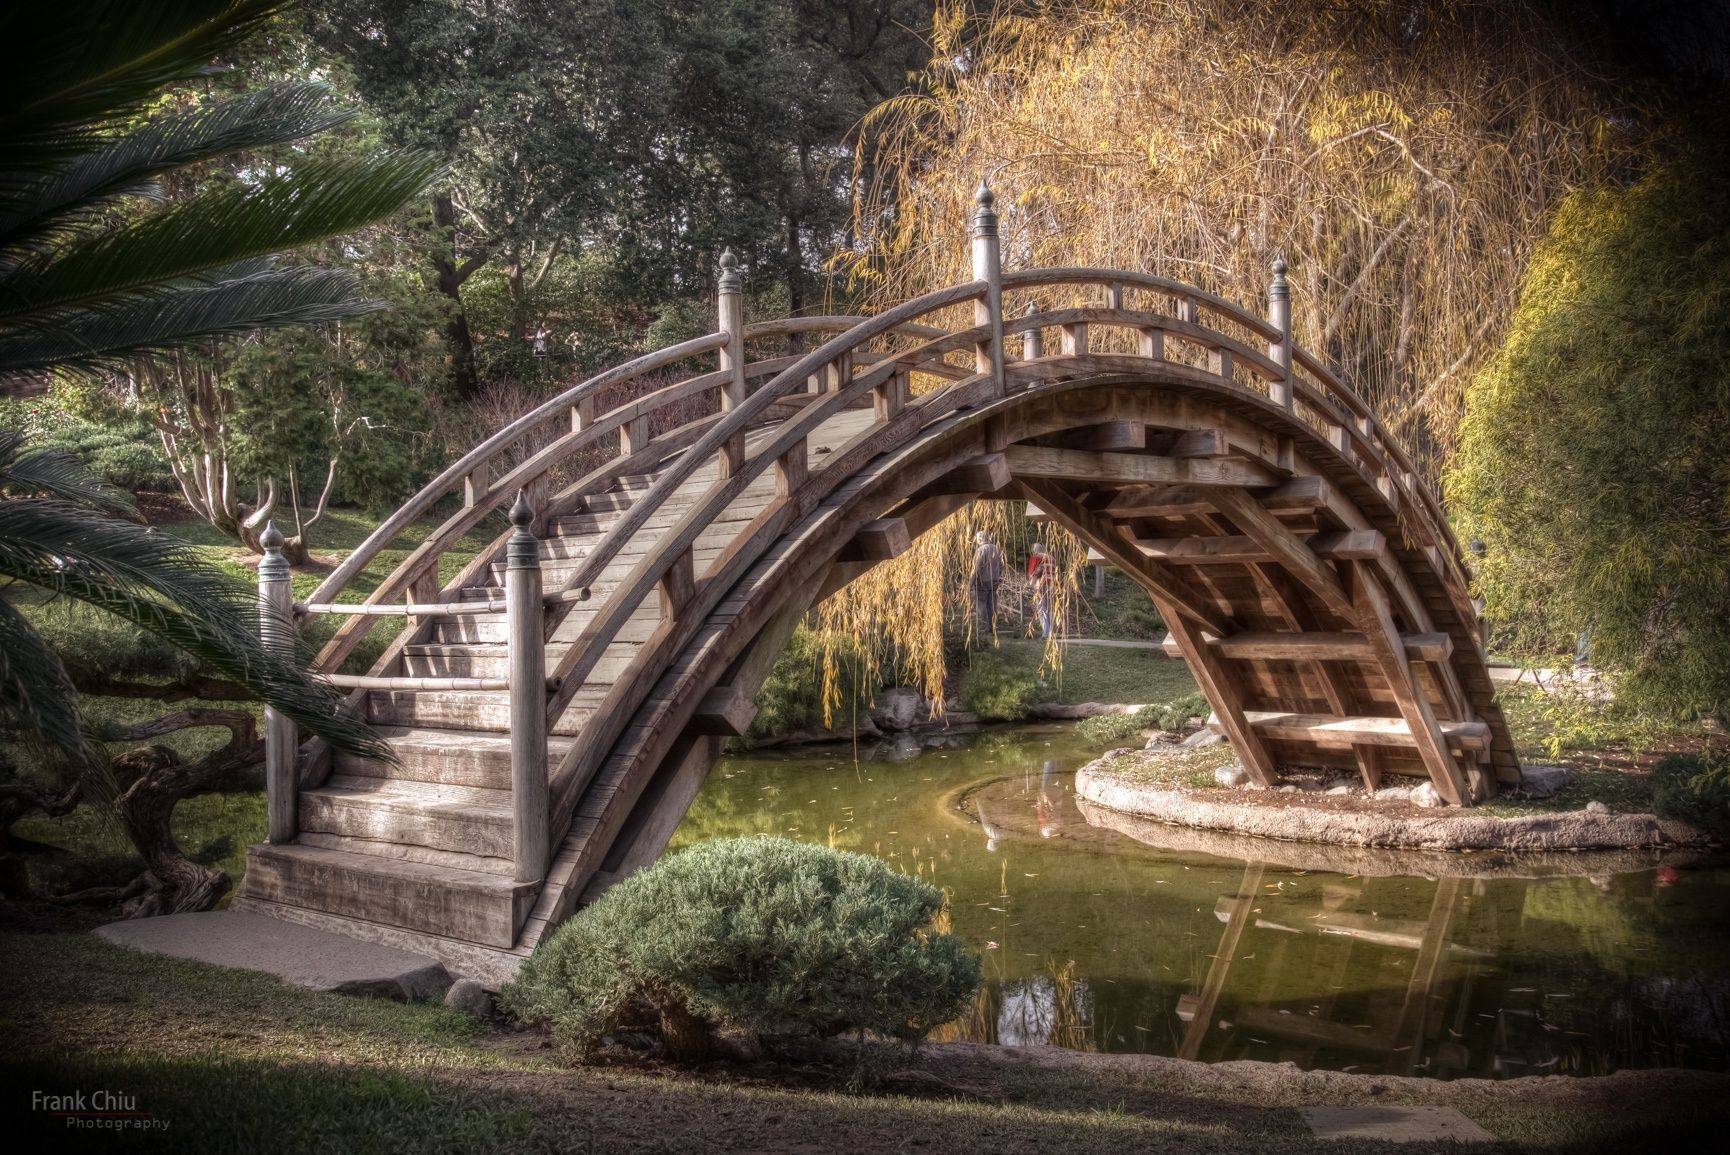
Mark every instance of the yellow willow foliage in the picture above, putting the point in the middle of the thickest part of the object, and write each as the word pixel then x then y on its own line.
pixel 894 617
pixel 1402 157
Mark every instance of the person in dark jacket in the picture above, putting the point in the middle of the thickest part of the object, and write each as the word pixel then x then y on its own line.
pixel 987 574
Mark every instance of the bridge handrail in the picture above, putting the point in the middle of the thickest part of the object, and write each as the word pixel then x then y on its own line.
pixel 738 420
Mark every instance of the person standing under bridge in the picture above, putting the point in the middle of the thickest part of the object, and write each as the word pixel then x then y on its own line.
pixel 987 574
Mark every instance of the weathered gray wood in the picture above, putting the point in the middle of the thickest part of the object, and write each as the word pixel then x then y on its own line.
pixel 988 311
pixel 1320 646
pixel 1327 730
pixel 528 692
pixel 1133 468
pixel 880 540
pixel 726 710
pixel 1239 549
pixel 1300 495
pixel 281 738
pixel 1279 348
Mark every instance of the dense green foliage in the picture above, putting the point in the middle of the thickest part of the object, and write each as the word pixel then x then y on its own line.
pixel 603 153
pixel 87 278
pixel 997 690
pixel 1695 789
pixel 1593 462
pixel 792 695
pixel 757 934
pixel 1106 729
pixel 122 450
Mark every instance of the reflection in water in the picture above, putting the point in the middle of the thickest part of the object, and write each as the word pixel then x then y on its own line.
pixel 1095 940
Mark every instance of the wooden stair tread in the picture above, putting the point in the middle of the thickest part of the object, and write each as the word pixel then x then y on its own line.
pixel 1330 728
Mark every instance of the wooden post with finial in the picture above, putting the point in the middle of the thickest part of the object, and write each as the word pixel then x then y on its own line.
pixel 527 656
pixel 1032 340
pixel 281 737
pixel 730 315
pixel 1279 351
pixel 988 267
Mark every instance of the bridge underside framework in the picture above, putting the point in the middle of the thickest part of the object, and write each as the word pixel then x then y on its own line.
pixel 556 703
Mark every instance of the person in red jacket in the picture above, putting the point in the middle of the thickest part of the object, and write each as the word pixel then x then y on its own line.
pixel 1042 576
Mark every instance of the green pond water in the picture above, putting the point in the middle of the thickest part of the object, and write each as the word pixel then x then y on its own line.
pixel 1132 939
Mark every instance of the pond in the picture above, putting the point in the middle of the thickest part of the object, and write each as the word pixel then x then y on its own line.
pixel 1131 939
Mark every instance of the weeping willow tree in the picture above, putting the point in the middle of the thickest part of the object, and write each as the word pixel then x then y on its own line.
pixel 1402 157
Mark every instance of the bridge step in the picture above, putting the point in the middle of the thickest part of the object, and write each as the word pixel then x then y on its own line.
pixel 492 628
pixel 471 709
pixel 458 819
pixel 443 757
pixel 490 660
pixel 471 905
pixel 1333 731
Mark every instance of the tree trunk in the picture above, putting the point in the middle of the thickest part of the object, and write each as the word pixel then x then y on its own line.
pixel 171 882
pixel 448 280
pixel 795 280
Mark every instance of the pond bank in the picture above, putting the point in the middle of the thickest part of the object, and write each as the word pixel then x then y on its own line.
pixel 1154 785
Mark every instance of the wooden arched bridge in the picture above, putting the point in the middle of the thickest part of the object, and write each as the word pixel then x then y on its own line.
pixel 555 704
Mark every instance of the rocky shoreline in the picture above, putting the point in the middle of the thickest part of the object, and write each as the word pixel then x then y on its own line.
pixel 1128 782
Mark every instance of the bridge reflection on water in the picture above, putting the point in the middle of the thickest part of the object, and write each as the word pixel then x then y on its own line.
pixel 1101 933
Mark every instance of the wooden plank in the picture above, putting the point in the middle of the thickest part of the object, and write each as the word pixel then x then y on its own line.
pixel 986 473
pixel 1299 495
pixel 1043 462
pixel 1337 732
pixel 880 540
pixel 1375 618
pixel 1219 685
pixel 1201 443
pixel 1107 435
pixel 1239 549
pixel 1288 550
pixel 726 710
pixel 1326 646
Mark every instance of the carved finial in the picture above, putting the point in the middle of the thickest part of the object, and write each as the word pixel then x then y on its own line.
pixel 985 212
pixel 271 539
pixel 1279 289
pixel 730 281
pixel 522 513
pixel 1032 308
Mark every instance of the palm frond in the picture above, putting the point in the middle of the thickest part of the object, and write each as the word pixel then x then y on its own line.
pixel 36 695
pixel 162 586
pixel 106 336
pixel 83 64
pixel 46 207
pixel 316 200
pixel 27 473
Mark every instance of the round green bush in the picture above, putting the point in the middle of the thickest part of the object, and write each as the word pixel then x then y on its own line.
pixel 1693 789
pixel 763 935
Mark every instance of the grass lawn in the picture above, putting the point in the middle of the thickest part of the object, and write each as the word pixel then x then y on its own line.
pixel 234 1061
pixel 1105 673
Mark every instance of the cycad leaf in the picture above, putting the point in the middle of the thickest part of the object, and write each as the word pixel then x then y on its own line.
pixel 82 64
pixel 317 200
pixel 46 207
pixel 36 695
pixel 106 334
pixel 162 586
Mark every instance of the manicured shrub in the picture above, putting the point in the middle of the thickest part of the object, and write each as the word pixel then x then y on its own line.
pixel 1692 789
pixel 1111 728
pixel 763 935
pixel 998 691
